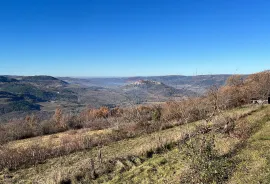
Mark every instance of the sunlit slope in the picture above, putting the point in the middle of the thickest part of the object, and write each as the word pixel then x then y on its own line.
pixel 149 158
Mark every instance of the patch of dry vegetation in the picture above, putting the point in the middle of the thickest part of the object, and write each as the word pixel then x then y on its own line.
pixel 14 157
pixel 145 146
pixel 202 158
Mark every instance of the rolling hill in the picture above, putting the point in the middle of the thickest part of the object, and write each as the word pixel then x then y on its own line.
pixel 148 90
pixel 45 93
pixel 25 93
pixel 198 84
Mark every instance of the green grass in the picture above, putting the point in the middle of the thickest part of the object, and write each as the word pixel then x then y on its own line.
pixel 254 159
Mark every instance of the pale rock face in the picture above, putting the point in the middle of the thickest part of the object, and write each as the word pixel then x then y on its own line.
pixel 142 82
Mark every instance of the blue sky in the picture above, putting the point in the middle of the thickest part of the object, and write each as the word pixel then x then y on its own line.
pixel 133 37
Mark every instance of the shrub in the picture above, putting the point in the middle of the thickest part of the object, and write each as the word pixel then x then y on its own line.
pixel 186 111
pixel 156 114
pixel 73 122
pixel 97 124
pixel 116 112
pixel 206 165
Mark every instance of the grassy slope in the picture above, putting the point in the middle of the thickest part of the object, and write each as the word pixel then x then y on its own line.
pixel 254 166
pixel 75 161
pixel 165 167
pixel 171 166
pixel 55 139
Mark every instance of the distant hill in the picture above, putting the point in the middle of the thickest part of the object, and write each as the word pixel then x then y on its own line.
pixel 4 79
pixel 198 84
pixel 103 82
pixel 39 78
pixel 21 105
pixel 10 102
pixel 45 93
pixel 157 88
pixel 153 91
pixel 44 81
pixel 20 93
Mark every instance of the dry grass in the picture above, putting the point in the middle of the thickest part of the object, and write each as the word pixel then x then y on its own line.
pixel 13 157
pixel 74 162
pixel 171 166
pixel 139 146
pixel 254 159
pixel 56 139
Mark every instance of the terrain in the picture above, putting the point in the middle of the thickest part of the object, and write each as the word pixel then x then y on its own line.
pixel 219 137
pixel 158 157
pixel 22 95
pixel 27 94
pixel 198 83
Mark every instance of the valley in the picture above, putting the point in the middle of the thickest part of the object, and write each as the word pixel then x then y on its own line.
pixel 21 95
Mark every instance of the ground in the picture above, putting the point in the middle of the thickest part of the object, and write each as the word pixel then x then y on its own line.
pixel 156 157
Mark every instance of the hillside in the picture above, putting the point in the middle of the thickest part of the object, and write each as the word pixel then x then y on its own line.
pixel 216 138
pixel 44 81
pixel 24 94
pixel 153 158
pixel 148 90
pixel 45 93
pixel 4 79
pixel 152 87
pixel 198 84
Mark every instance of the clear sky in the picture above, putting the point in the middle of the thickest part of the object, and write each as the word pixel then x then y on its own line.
pixel 133 37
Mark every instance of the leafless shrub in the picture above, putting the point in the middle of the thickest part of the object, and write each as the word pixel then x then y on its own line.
pixel 137 114
pixel 207 166
pixel 116 112
pixel 19 129
pixel 97 124
pixel 224 123
pixel 186 111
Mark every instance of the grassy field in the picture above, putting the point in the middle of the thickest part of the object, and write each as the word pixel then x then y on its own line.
pixel 151 158
pixel 254 159
pixel 171 166
pixel 55 139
